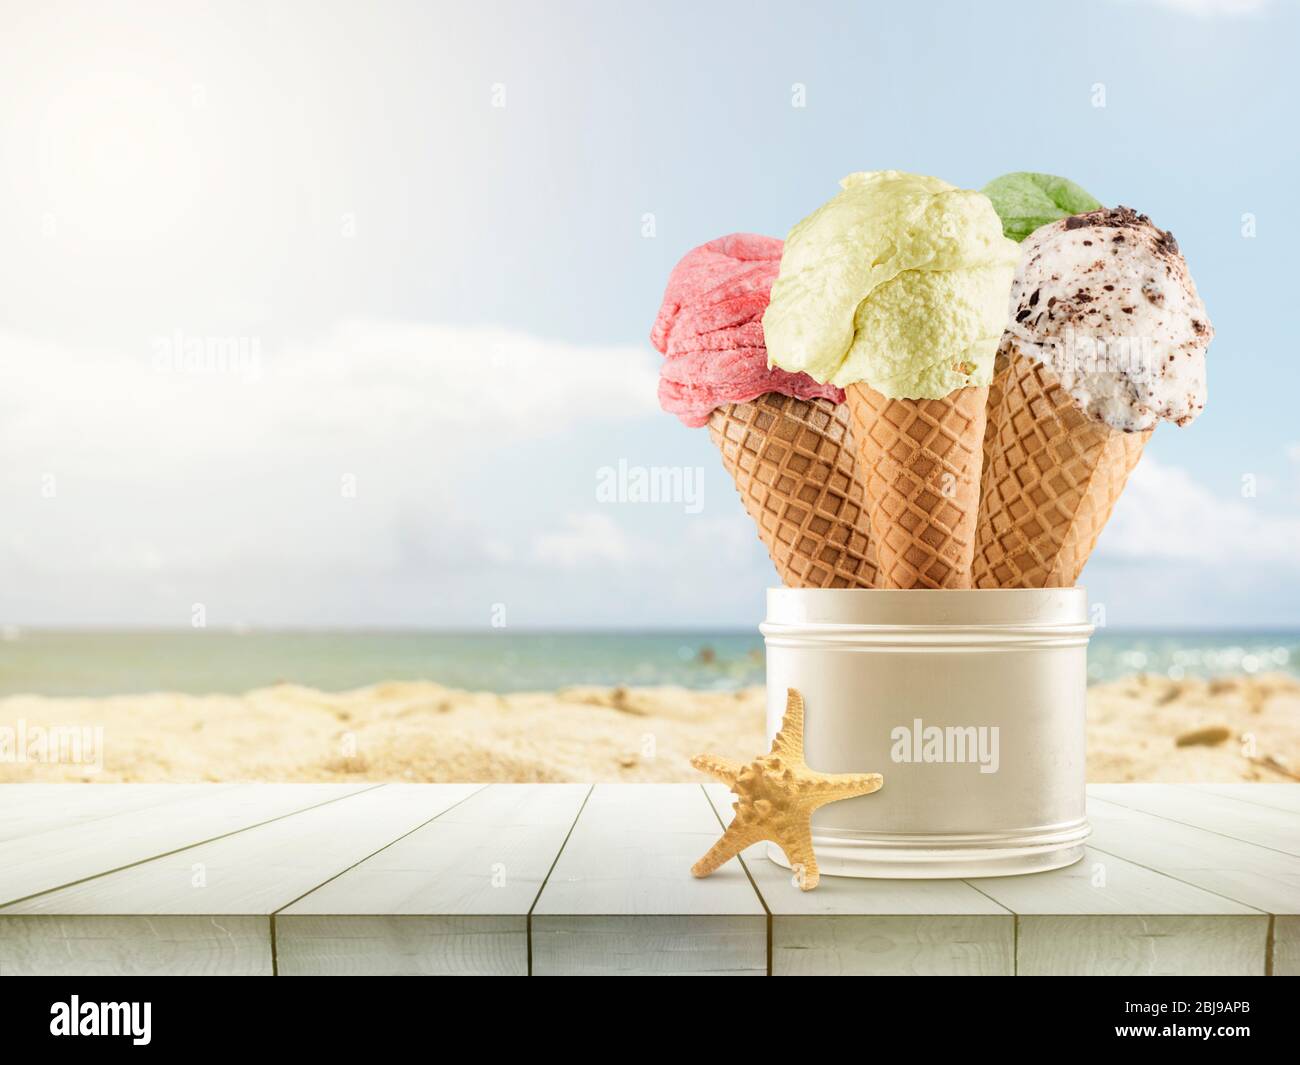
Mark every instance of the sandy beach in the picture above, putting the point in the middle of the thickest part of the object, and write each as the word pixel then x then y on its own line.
pixel 1142 728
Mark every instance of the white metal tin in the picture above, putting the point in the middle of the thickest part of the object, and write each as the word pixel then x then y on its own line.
pixel 881 670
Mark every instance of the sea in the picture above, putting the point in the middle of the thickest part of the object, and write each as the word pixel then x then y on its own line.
pixel 62 663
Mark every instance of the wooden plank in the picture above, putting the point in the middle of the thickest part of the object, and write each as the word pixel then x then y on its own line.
pixel 892 945
pixel 1256 876
pixel 33 809
pixel 1103 884
pixel 487 855
pixel 851 926
pixel 1262 825
pixel 33 864
pixel 419 879
pixel 398 945
pixel 649 945
pixel 259 870
pixel 1141 946
pixel 1109 917
pixel 134 946
pixel 621 898
pixel 1278 796
pixel 1286 946
pixel 249 874
pixel 452 898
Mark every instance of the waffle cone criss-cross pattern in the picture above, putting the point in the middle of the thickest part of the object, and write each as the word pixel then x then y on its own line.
pixel 1052 476
pixel 784 437
pixel 793 464
pixel 919 462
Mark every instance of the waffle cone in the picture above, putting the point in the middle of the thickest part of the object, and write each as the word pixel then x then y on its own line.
pixel 793 464
pixel 991 406
pixel 1051 478
pixel 920 462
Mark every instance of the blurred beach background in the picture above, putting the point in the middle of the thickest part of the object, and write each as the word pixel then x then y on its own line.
pixel 558 706
pixel 200 663
pixel 324 336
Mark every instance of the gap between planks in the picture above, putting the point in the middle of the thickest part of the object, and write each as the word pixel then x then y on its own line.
pixel 528 920
pixel 188 846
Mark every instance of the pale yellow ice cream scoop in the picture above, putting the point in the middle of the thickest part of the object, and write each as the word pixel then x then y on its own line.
pixel 900 282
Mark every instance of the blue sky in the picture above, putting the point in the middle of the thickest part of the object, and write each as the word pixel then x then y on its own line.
pixel 444 304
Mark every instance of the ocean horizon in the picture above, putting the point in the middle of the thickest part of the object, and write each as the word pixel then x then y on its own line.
pixel 98 662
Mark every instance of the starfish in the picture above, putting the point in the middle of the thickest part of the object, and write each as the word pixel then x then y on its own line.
pixel 777 795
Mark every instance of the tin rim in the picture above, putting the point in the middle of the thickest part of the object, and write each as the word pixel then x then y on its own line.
pixel 898 855
pixel 922 620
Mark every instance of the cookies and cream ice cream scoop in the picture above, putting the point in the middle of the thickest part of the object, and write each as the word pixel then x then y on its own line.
pixel 1106 337
pixel 1105 300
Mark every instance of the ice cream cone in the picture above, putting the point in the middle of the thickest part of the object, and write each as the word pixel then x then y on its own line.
pixel 920 465
pixel 1052 476
pixel 991 406
pixel 793 464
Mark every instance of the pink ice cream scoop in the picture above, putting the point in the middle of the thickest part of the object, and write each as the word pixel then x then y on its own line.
pixel 710 327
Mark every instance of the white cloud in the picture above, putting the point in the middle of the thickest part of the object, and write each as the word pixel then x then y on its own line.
pixel 727 545
pixel 731 543
pixel 413 391
pixel 1215 8
pixel 589 539
pixel 418 452
pixel 493 381
pixel 1166 514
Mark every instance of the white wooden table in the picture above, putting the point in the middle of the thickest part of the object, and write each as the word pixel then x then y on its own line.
pixel 548 879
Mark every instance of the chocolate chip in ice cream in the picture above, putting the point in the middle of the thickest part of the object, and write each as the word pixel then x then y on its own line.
pixel 1113 323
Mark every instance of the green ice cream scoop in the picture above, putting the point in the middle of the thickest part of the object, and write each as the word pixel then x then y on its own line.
pixel 1026 201
pixel 900 282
